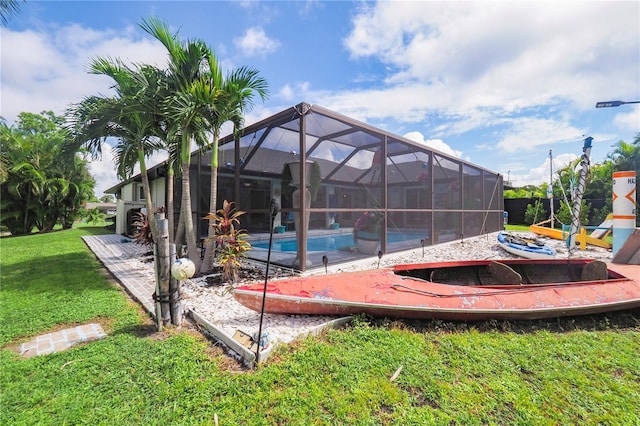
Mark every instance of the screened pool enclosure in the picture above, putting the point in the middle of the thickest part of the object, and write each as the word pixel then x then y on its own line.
pixel 329 173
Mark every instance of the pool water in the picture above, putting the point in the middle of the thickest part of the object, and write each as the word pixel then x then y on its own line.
pixel 329 242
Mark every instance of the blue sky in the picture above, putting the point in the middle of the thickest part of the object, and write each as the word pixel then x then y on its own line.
pixel 495 83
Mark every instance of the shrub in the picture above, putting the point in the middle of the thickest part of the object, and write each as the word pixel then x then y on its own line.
pixel 535 213
pixel 231 243
pixel 564 213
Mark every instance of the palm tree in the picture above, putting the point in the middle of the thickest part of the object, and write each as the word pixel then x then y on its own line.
pixel 8 9
pixel 626 156
pixel 133 117
pixel 239 88
pixel 189 109
pixel 127 116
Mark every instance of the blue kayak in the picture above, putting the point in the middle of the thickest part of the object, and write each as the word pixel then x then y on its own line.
pixel 525 247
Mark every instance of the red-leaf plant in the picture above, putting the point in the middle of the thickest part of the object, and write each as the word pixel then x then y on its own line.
pixel 231 243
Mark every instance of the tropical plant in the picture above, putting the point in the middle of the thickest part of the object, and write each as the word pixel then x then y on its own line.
pixel 231 244
pixel 626 156
pixel 93 216
pixel 600 215
pixel 564 214
pixel 135 118
pixel 535 212
pixel 369 222
pixel 142 233
pixel 40 187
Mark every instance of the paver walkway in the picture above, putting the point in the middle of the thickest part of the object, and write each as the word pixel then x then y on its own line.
pixel 61 340
pixel 111 249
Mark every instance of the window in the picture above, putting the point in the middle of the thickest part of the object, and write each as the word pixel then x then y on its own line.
pixel 139 191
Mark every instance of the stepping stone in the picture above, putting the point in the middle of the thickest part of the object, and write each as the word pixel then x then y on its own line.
pixel 62 340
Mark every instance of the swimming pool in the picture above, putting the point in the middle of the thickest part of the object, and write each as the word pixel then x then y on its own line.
pixel 330 242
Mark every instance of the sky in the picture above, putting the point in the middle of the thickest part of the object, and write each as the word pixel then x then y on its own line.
pixel 499 84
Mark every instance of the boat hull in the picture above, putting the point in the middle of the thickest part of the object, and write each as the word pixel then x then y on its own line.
pixel 392 293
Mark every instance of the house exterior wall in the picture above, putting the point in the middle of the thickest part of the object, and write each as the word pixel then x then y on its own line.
pixel 131 200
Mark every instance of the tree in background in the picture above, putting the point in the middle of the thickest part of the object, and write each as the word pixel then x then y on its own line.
pixel 535 213
pixel 564 213
pixel 40 187
pixel 626 156
pixel 527 191
pixel 93 216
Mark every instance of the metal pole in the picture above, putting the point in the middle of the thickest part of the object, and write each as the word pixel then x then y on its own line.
pixel 274 209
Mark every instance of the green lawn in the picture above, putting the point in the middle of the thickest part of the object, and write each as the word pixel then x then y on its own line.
pixel 567 371
pixel 516 228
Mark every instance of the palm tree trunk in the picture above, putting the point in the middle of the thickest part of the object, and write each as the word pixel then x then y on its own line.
pixel 171 217
pixel 179 241
pixel 209 253
pixel 185 217
pixel 161 242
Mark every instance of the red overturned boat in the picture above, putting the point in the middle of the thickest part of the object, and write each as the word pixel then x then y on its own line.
pixel 461 290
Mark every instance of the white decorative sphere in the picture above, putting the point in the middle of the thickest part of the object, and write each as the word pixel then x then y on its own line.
pixel 183 269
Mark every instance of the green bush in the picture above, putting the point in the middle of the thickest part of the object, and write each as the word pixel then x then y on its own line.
pixel 564 213
pixel 535 213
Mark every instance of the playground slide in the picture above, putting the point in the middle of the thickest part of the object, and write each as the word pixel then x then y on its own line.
pixel 629 253
pixel 604 228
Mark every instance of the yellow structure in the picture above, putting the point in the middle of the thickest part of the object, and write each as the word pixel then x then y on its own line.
pixel 582 238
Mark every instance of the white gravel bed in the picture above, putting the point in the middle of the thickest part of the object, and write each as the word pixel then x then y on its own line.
pixel 217 305
pixel 477 248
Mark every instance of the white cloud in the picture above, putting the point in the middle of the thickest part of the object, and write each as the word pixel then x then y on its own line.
pixel 437 144
pixel 526 134
pixel 286 93
pixel 502 55
pixel 255 42
pixel 629 121
pixel 48 71
pixel 519 175
pixel 42 71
